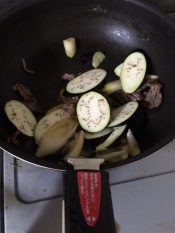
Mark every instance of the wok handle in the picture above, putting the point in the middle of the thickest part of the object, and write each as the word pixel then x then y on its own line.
pixel 88 203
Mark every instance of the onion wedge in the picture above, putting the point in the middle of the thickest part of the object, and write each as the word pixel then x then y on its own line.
pixel 57 136
pixel 78 146
pixel 47 121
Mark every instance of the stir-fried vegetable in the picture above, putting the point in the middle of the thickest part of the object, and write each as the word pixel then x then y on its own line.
pixel 112 137
pixel 112 87
pixel 122 113
pixel 56 132
pixel 58 106
pixel 86 81
pixel 113 155
pixel 70 46
pixel 77 145
pixel 97 59
pixel 47 121
pixel 133 72
pixel 118 69
pixel 57 136
pixel 133 148
pixel 93 111
pixel 99 134
pixel 21 117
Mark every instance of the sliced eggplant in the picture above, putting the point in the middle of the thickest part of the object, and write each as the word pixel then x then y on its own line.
pixel 99 134
pixel 122 113
pixel 57 136
pixel 112 137
pixel 118 69
pixel 70 46
pixel 112 87
pixel 97 59
pixel 47 121
pixel 93 111
pixel 54 108
pixel 86 81
pixel 133 72
pixel 21 117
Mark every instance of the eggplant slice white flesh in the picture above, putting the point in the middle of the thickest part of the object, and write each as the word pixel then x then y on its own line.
pixel 133 72
pixel 93 111
pixel 70 46
pixel 97 59
pixel 121 114
pixel 118 69
pixel 86 81
pixel 112 137
pixel 21 117
pixel 99 134
pixel 112 87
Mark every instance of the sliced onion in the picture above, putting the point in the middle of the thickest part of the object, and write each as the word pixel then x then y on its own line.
pixel 57 136
pixel 133 148
pixel 78 146
pixel 113 155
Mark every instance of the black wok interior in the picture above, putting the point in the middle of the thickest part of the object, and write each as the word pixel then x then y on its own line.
pixel 35 32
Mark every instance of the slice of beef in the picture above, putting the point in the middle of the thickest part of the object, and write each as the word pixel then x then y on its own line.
pixel 148 95
pixel 13 138
pixel 29 99
pixel 68 77
pixel 70 105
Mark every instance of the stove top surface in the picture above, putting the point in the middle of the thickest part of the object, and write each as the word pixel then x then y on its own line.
pixel 142 193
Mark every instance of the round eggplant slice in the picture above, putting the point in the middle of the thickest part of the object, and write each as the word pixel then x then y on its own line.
pixel 122 113
pixel 21 117
pixel 93 111
pixel 133 72
pixel 86 81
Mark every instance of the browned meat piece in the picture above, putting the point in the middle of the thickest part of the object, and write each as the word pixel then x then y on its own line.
pixel 69 103
pixel 13 138
pixel 153 96
pixel 29 99
pixel 110 99
pixel 70 107
pixel 65 149
pixel 148 95
pixel 25 68
pixel 73 99
pixel 68 77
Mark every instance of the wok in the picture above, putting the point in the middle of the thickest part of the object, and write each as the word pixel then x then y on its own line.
pixel 36 31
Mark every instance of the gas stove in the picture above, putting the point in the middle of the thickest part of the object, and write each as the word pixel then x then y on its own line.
pixel 142 193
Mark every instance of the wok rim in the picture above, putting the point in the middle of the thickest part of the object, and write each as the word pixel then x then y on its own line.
pixel 108 166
